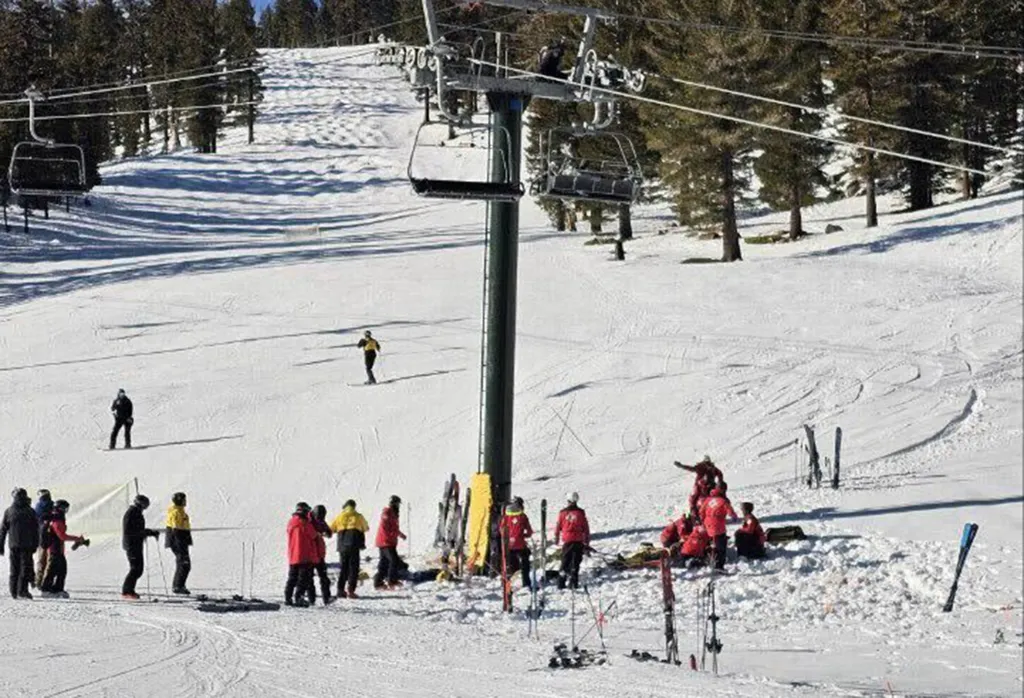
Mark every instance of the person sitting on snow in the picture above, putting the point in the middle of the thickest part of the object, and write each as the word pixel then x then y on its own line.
pixel 694 548
pixel 676 531
pixel 750 537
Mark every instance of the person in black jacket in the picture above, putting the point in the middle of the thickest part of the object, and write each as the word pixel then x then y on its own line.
pixel 550 61
pixel 122 411
pixel 43 509
pixel 133 540
pixel 22 526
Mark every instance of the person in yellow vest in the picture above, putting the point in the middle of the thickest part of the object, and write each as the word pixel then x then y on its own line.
pixel 179 540
pixel 370 347
pixel 351 528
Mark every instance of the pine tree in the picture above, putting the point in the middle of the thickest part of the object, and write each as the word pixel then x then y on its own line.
pixel 705 161
pixel 239 36
pixel 791 167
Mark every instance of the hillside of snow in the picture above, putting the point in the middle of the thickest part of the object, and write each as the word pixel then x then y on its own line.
pixel 226 292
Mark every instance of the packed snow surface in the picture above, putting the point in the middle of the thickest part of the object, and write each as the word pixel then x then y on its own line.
pixel 225 293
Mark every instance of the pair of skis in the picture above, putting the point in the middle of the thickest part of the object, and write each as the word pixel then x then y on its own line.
pixel 452 519
pixel 814 471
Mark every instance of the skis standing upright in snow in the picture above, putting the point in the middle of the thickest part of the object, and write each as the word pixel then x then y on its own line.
pixel 814 467
pixel 966 541
pixel 543 554
pixel 669 609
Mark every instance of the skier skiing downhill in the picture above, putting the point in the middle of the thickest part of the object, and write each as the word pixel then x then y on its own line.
pixel 370 347
pixel 43 509
pixel 750 538
pixel 713 513
pixel 178 538
pixel 57 565
pixel 388 535
pixel 319 520
pixel 351 528
pixel 122 410
pixel 133 541
pixel 573 530
pixel 302 552
pixel 21 527
pixel 517 524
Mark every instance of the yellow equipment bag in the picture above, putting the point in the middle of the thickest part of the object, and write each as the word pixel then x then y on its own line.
pixel 479 521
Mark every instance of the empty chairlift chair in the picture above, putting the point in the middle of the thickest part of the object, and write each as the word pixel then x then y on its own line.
pixel 443 186
pixel 569 177
pixel 43 168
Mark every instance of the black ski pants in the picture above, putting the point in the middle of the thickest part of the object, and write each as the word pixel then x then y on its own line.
pixel 370 357
pixel 572 558
pixel 349 575
pixel 136 566
pixel 387 567
pixel 519 561
pixel 56 572
pixel 300 582
pixel 719 548
pixel 182 567
pixel 21 570
pixel 320 570
pixel 118 423
pixel 749 545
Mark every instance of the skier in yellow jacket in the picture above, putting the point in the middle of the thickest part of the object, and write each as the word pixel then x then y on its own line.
pixel 351 528
pixel 370 347
pixel 179 539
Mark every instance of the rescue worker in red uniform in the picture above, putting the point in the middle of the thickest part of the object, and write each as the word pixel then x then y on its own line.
pixel 573 531
pixel 515 524
pixel 388 535
pixel 302 538
pixel 323 530
pixel 713 513
pixel 673 535
pixel 57 567
pixel 750 537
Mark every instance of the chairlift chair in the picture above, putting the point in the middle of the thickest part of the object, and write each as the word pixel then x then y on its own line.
pixel 42 167
pixel 464 189
pixel 572 178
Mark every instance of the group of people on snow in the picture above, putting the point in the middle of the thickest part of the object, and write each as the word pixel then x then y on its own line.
pixel 43 528
pixel 700 534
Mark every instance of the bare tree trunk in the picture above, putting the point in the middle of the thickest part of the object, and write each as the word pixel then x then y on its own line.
pixel 869 190
pixel 966 177
pixel 796 219
pixel 595 220
pixel 730 231
pixel 571 214
pixel 560 216
pixel 625 222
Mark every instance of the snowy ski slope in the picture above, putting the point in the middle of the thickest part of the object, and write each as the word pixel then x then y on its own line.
pixel 226 293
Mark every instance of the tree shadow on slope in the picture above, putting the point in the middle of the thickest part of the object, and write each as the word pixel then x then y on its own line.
pixel 831 513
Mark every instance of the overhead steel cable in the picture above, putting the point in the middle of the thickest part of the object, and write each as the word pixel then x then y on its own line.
pixel 747 122
pixel 840 115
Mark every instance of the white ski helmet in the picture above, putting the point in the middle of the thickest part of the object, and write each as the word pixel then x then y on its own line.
pixel 572 497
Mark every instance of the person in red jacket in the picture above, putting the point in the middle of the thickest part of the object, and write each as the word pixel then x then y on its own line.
pixel 714 512
pixel 702 487
pixel 56 564
pixel 302 538
pixel 676 532
pixel 323 530
pixel 388 535
pixel 706 468
pixel 573 530
pixel 694 547
pixel 516 525
pixel 750 538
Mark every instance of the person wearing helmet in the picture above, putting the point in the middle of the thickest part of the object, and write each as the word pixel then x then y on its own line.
pixel 133 540
pixel 57 567
pixel 319 521
pixel 122 411
pixel 713 514
pixel 750 537
pixel 43 509
pixel 370 347
pixel 302 537
pixel 573 530
pixel 516 530
pixel 389 533
pixel 178 539
pixel 20 527
pixel 351 528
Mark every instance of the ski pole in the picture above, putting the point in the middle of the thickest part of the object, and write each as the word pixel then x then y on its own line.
pixel 252 567
pixel 149 590
pixel 241 581
pixel 572 616
pixel 163 576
